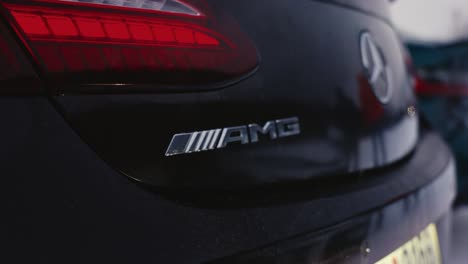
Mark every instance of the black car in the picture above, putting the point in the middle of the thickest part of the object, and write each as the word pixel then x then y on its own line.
pixel 215 131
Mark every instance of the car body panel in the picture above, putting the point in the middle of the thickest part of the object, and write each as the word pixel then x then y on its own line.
pixel 60 190
pixel 319 79
pixel 358 179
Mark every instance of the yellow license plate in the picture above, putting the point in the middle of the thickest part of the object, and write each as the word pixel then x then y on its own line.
pixel 423 248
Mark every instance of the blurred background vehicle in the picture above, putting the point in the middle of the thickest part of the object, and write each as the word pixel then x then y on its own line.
pixel 436 36
pixel 441 82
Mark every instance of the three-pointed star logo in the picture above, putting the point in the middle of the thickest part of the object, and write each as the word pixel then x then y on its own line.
pixel 377 71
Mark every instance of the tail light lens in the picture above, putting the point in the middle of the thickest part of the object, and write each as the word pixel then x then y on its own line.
pixel 10 67
pixel 16 73
pixel 163 44
pixel 439 88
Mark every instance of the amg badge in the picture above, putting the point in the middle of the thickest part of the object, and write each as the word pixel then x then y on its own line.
pixel 219 138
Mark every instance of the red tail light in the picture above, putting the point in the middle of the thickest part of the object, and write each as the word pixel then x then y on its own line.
pixel 10 67
pixel 16 73
pixel 438 88
pixel 165 44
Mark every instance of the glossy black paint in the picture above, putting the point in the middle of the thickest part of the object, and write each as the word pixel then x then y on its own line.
pixel 310 68
pixel 62 204
pixel 363 239
pixel 375 8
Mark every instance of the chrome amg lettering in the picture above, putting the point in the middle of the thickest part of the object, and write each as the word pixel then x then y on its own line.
pixel 185 143
pixel 268 128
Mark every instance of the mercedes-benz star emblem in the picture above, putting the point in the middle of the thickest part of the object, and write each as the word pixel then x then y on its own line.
pixel 377 71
